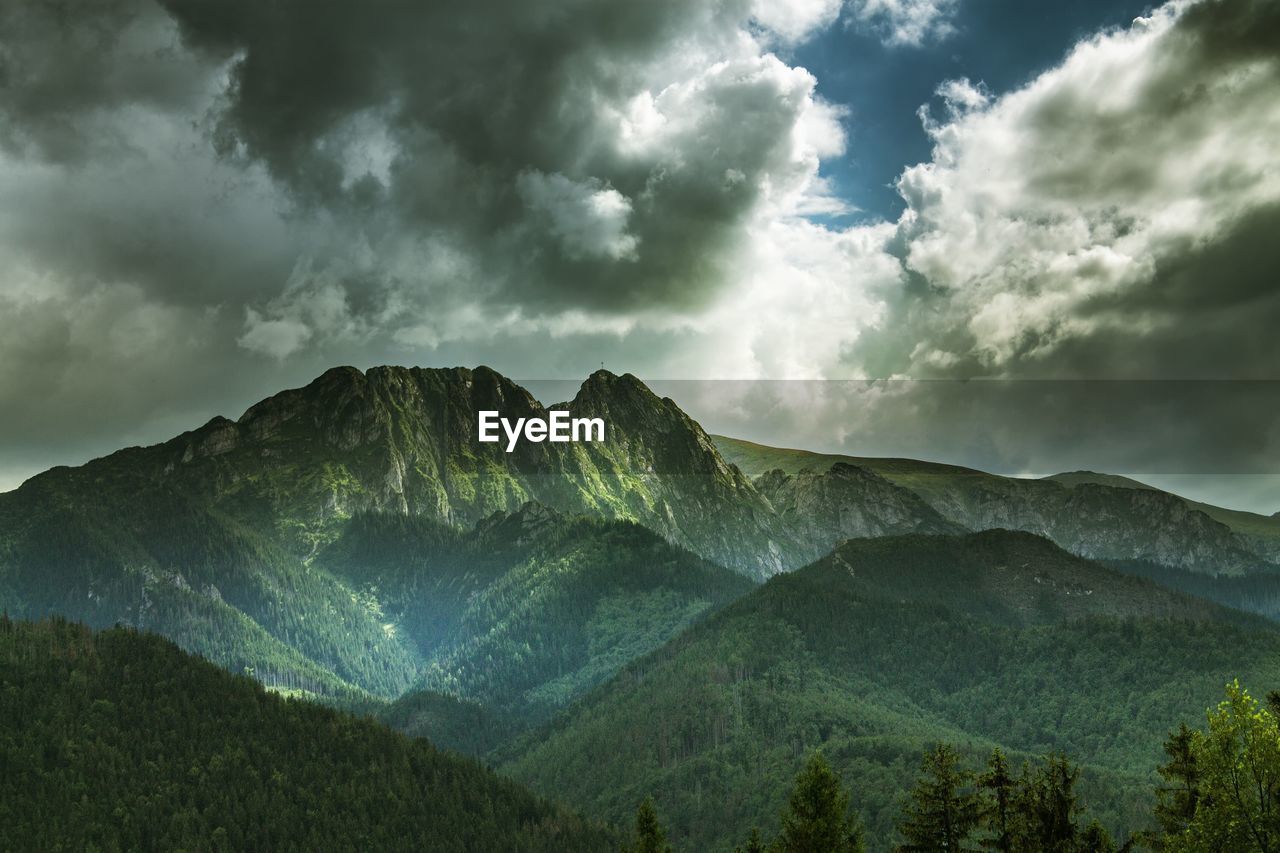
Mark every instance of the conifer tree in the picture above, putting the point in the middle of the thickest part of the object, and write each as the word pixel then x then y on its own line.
pixel 1048 807
pixel 651 837
pixel 943 809
pixel 1000 790
pixel 1177 799
pixel 817 816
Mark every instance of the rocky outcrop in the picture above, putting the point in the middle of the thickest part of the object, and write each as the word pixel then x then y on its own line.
pixel 1094 515
pixel 669 475
pixel 823 507
pixel 1100 521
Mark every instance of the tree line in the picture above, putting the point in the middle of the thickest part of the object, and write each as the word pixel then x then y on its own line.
pixel 118 740
pixel 1219 790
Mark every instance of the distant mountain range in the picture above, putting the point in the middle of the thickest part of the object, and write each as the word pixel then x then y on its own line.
pixel 236 537
pixel 591 617
pixel 1094 515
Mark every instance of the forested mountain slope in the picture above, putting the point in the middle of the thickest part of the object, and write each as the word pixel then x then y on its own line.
pixel 530 609
pixel 104 544
pixel 119 740
pixel 523 612
pixel 872 654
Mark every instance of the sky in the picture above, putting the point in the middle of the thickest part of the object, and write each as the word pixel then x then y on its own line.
pixel 205 201
pixel 883 79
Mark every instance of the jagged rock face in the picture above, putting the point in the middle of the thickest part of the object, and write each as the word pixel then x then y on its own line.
pixel 1092 515
pixel 1267 547
pixel 670 477
pixel 846 502
pixel 521 527
pixel 405 440
pixel 390 439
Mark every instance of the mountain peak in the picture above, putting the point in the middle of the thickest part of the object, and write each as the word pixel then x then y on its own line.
pixel 603 383
pixel 1071 479
pixel 338 373
pixel 404 441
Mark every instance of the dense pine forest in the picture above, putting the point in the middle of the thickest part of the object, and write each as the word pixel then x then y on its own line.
pixel 871 657
pixel 118 740
pixel 1253 593
pixel 1219 790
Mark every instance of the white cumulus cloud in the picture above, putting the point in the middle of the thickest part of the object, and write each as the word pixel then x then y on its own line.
pixel 907 22
pixel 1061 211
pixel 588 217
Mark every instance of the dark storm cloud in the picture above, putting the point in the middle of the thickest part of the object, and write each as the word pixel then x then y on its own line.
pixel 63 63
pixel 187 189
pixel 107 178
pixel 1218 306
pixel 124 246
pixel 204 202
pixel 470 107
pixel 1234 32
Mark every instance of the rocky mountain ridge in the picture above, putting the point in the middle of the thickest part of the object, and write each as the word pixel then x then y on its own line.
pixel 404 440
pixel 1100 517
pixel 296 465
